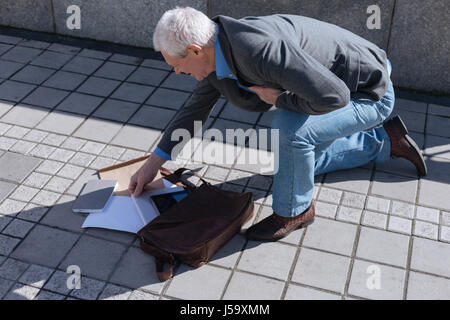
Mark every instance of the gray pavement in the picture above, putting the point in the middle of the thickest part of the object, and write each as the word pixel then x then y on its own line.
pixel 380 231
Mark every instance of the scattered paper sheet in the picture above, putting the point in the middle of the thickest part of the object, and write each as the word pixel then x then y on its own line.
pixel 124 214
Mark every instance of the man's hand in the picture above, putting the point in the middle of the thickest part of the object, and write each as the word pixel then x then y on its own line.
pixel 268 95
pixel 145 174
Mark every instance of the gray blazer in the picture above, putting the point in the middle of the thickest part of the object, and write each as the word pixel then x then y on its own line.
pixel 318 66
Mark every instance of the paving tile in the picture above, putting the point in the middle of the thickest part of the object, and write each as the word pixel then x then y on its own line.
pixel 58 282
pixel 148 76
pixel 374 219
pixel 157 64
pixel 356 180
pixel 437 125
pixel 113 292
pixel 7 68
pixel 426 230
pixel 321 270
pixel 5 189
pixel 7 244
pixel 46 198
pixel 18 228
pixel 204 283
pixel 45 246
pixel 62 216
pixel 153 117
pixel 36 276
pixel 80 103
pixel 401 225
pixel 58 184
pixel 82 159
pixel 22 147
pixel 5 106
pixel 65 80
pixel 33 74
pixel 82 65
pixel 116 110
pixel 97 54
pixel 16 167
pixel 21 54
pixel 113 70
pixel 430 256
pixel 90 289
pixel 444 234
pixel 330 195
pixel 12 269
pixel 244 286
pixel 414 121
pixel 180 82
pixel 112 152
pixel 32 212
pixel 47 295
pixel 126 59
pixel 229 253
pixel 410 105
pixel 426 287
pixel 21 292
pixel 58 47
pixel 377 204
pixel 62 155
pixel 437 146
pixel 51 59
pixel 5 285
pixel 102 162
pixel 260 182
pixel 295 292
pixel 34 44
pixel 98 86
pixel 445 218
pixel 394 187
pixel 354 200
pixel 70 171
pixel 14 91
pixel 54 139
pixel 17 132
pixel 4 220
pixel 50 166
pixel 61 122
pixel 402 209
pixel 434 194
pixel 363 281
pixel 42 151
pixel 382 246
pixel 35 135
pixel 4 48
pixel 93 147
pixel 81 180
pixel 98 130
pixel 73 143
pixel 167 98
pixel 95 257
pixel 349 214
pixel 7 143
pixel 132 92
pixel 11 207
pixel 269 259
pixel 325 209
pixel 339 238
pixel 137 270
pixel 136 137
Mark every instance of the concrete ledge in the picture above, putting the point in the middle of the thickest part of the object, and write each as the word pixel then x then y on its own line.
pixel 118 21
pixel 27 14
pixel 419 47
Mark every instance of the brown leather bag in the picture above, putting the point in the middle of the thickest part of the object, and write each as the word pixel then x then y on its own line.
pixel 195 228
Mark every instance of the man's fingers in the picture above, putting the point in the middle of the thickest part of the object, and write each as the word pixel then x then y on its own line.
pixel 138 190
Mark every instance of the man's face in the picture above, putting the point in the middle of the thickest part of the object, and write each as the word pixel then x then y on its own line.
pixel 195 63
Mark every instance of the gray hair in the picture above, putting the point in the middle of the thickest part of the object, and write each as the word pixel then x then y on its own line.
pixel 181 27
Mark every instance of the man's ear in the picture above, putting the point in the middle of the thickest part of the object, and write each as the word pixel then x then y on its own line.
pixel 194 49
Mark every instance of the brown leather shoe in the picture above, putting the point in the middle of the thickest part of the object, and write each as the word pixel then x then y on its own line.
pixel 402 145
pixel 275 227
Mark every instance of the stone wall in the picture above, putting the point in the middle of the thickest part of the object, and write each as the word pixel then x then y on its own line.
pixel 414 33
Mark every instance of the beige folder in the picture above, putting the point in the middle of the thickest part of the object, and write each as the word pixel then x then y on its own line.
pixel 122 172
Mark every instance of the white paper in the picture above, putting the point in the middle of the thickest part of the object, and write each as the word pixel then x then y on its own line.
pixel 124 214
pixel 169 187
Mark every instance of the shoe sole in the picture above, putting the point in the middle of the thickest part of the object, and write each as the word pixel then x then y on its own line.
pixel 300 226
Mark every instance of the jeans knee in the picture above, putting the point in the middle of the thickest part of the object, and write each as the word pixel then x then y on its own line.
pixel 289 124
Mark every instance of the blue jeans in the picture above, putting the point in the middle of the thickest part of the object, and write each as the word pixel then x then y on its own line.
pixel 315 144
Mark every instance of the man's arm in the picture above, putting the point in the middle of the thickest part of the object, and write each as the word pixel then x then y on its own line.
pixel 309 86
pixel 197 108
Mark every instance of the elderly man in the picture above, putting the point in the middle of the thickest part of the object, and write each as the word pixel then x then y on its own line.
pixel 332 87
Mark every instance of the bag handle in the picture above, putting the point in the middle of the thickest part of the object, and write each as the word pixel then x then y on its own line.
pixel 180 171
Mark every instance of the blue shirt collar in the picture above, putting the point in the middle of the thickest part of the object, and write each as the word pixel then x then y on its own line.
pixel 222 68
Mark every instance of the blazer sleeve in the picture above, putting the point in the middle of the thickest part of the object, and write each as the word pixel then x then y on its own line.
pixel 308 86
pixel 197 108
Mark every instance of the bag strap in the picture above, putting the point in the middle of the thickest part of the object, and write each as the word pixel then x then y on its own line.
pixel 180 171
pixel 161 257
